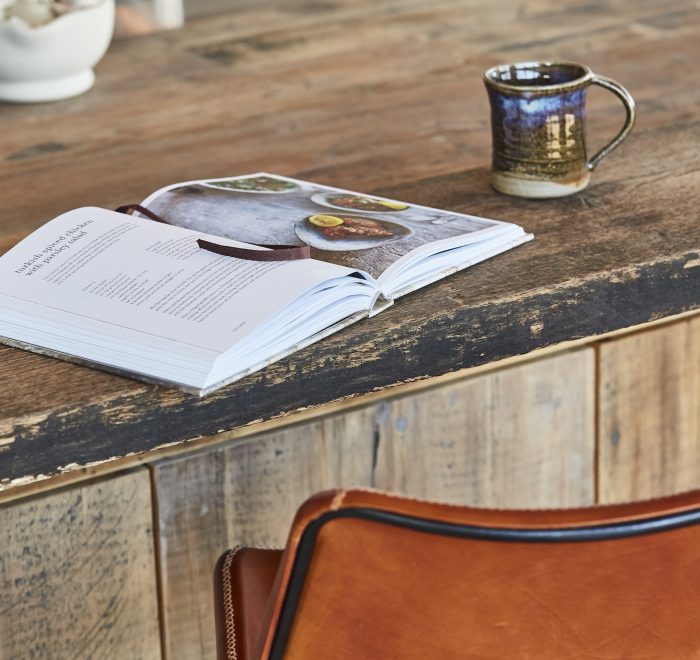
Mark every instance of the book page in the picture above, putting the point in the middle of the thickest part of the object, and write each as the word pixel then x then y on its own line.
pixel 152 278
pixel 358 231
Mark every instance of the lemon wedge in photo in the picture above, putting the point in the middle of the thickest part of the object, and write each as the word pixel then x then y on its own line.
pixel 397 206
pixel 322 220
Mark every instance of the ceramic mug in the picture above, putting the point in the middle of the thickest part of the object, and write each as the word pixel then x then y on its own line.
pixel 538 114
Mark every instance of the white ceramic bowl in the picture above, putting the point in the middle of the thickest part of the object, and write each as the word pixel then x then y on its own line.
pixel 53 61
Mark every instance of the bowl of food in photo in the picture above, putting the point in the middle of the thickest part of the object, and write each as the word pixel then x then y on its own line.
pixel 352 202
pixel 253 184
pixel 342 232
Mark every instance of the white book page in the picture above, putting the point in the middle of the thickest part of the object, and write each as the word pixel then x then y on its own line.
pixel 440 265
pixel 418 259
pixel 152 278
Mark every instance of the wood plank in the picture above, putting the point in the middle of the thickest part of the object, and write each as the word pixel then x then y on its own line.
pixel 73 475
pixel 520 437
pixel 233 77
pixel 498 309
pixel 535 448
pixel 649 424
pixel 246 89
pixel 10 240
pixel 77 573
pixel 245 493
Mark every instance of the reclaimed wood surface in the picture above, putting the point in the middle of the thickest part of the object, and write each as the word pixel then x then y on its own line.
pixel 519 437
pixel 523 436
pixel 246 492
pixel 77 573
pixel 649 423
pixel 367 96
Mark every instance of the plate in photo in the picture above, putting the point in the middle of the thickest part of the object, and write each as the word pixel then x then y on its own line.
pixel 254 184
pixel 341 232
pixel 353 202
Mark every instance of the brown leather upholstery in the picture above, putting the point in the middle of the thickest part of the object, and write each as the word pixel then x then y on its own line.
pixel 369 575
pixel 243 585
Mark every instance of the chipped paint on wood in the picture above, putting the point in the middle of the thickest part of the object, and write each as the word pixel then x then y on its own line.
pixel 617 255
pixel 448 340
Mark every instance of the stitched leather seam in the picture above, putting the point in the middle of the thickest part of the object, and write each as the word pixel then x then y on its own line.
pixel 229 623
pixel 338 500
pixel 227 597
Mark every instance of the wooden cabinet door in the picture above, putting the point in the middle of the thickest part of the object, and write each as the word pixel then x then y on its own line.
pixel 77 573
pixel 649 421
pixel 521 436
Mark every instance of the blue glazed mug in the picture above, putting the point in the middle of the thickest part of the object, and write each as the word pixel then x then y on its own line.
pixel 538 116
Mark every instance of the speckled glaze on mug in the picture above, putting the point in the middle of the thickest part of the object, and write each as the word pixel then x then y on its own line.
pixel 538 117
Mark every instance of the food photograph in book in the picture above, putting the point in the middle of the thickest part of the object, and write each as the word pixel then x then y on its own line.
pixel 350 229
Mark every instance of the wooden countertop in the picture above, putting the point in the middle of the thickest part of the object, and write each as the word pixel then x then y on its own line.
pixel 382 97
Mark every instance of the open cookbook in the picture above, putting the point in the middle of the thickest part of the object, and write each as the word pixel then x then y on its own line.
pixel 165 302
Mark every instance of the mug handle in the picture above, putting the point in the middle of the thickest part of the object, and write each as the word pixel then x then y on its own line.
pixel 627 100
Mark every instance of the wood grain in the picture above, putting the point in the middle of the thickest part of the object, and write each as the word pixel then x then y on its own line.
pixel 534 448
pixel 379 95
pixel 10 240
pixel 375 93
pixel 531 298
pixel 520 437
pixel 77 573
pixel 649 424
pixel 246 493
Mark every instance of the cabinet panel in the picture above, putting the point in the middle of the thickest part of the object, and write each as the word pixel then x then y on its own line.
pixel 77 573
pixel 246 492
pixel 522 436
pixel 649 424
pixel 518 437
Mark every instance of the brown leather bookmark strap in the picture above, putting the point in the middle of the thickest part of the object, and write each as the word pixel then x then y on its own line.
pixel 273 253
pixel 130 208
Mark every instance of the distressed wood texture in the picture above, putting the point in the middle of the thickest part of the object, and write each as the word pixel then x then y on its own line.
pixel 649 427
pixel 248 493
pixel 368 96
pixel 519 437
pixel 522 436
pixel 77 573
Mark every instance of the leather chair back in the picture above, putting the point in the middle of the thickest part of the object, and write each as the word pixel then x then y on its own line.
pixel 371 575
